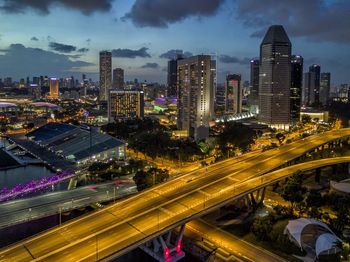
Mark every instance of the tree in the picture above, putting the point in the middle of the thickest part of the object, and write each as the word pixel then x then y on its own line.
pixel 314 199
pixel 306 119
pixel 262 226
pixel 280 137
pixel 145 179
pixel 293 190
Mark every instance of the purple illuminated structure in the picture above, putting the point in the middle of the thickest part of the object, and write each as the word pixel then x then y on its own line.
pixel 20 190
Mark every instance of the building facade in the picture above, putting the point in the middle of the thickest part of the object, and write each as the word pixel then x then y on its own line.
pixel 105 74
pixel 118 78
pixel 254 86
pixel 316 70
pixel 325 87
pixel 233 94
pixel 54 93
pixel 172 76
pixel 274 78
pixel 123 104
pixel 296 88
pixel 196 88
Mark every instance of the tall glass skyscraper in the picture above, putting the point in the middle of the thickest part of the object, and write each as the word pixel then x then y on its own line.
pixel 296 87
pixel 316 69
pixel 325 86
pixel 254 86
pixel 275 78
pixel 105 74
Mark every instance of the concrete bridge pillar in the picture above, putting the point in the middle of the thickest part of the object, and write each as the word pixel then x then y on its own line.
pixel 72 183
pixel 161 248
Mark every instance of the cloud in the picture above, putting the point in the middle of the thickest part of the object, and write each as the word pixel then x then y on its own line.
pixel 83 50
pixel 19 61
pixel 313 19
pixel 129 53
pixel 171 54
pixel 161 13
pixel 150 65
pixel 86 7
pixel 234 60
pixel 62 48
pixel 34 39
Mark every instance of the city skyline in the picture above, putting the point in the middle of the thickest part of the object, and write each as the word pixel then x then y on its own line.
pixel 142 45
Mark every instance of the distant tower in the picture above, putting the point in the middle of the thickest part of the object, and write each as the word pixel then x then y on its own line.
pixel 105 74
pixel 308 94
pixel 196 81
pixel 296 87
pixel 54 88
pixel 316 69
pixel 233 94
pixel 325 86
pixel 254 86
pixel 172 75
pixel 118 79
pixel 274 82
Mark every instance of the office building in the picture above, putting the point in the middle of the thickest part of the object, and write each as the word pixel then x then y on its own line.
pixel 118 79
pixel 308 92
pixel 274 81
pixel 196 87
pixel 172 76
pixel 123 104
pixel 316 70
pixel 254 86
pixel 296 88
pixel 233 94
pixel 105 74
pixel 54 88
pixel 325 86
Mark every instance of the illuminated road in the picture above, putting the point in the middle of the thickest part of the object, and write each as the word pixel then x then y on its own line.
pixel 124 225
pixel 17 211
pixel 229 243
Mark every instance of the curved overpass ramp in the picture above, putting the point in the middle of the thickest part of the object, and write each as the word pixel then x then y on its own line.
pixel 124 225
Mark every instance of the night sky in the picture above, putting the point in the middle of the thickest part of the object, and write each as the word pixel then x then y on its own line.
pixel 63 37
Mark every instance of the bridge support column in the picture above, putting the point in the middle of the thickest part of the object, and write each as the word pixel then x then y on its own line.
pixel 318 175
pixel 161 248
pixel 72 183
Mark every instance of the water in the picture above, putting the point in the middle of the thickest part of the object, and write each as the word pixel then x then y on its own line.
pixel 22 175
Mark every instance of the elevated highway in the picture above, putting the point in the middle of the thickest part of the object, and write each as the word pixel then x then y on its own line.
pixel 127 224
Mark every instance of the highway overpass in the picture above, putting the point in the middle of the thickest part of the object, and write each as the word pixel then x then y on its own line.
pixel 129 223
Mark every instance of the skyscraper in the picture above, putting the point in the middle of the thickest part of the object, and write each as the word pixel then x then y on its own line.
pixel 54 88
pixel 254 86
pixel 105 74
pixel 118 78
pixel 196 79
pixel 296 87
pixel 172 75
pixel 274 82
pixel 325 86
pixel 316 69
pixel 233 94
pixel 308 93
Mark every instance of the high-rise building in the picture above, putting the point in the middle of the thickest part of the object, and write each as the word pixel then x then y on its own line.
pixel 254 86
pixel 325 87
pixel 54 88
pixel 274 81
pixel 105 74
pixel 172 75
pixel 196 86
pixel 118 78
pixel 308 92
pixel 233 94
pixel 124 104
pixel 296 87
pixel 316 69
